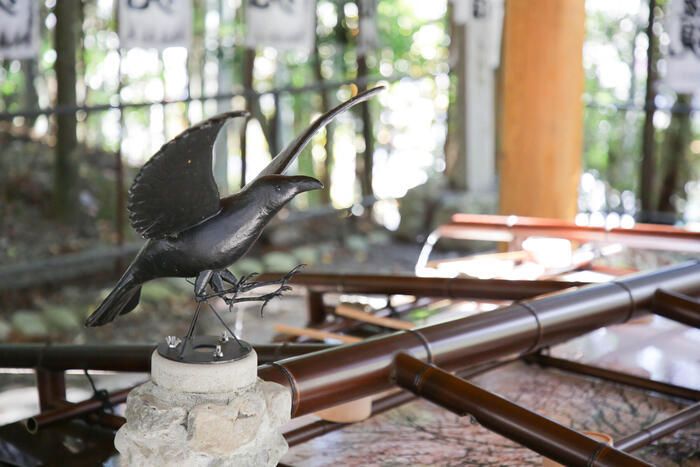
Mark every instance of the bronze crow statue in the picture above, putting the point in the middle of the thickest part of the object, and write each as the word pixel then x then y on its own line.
pixel 174 203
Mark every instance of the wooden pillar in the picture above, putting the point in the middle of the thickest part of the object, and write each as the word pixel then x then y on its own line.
pixel 542 109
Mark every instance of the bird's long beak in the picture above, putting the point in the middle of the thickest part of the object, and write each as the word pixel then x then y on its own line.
pixel 305 183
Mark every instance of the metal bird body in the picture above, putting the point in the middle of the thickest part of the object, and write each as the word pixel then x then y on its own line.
pixel 174 203
pixel 221 240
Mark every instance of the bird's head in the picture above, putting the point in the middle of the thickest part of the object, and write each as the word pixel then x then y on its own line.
pixel 280 189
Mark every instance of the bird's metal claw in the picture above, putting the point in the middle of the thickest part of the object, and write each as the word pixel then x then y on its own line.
pixel 201 298
pixel 293 272
pixel 243 281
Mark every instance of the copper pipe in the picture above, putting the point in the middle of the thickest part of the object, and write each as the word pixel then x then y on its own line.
pixel 506 228
pixel 348 372
pixel 321 427
pixel 542 435
pixel 52 358
pixel 658 430
pixel 677 307
pixel 315 308
pixel 67 412
pixel 105 419
pixel 615 377
pixel 485 289
pixel 51 385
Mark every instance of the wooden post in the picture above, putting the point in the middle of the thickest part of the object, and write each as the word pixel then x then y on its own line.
pixel 51 385
pixel 542 109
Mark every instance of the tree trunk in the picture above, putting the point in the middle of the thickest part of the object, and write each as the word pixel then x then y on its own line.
pixel 65 195
pixel 328 145
pixel 646 188
pixel 364 169
pixel 31 99
pixel 249 61
pixel 680 135
pixel 455 141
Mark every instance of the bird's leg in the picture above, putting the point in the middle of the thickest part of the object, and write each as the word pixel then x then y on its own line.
pixel 200 284
pixel 218 278
pixel 227 276
pixel 217 284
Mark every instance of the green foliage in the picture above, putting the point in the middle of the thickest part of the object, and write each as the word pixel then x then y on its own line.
pixel 615 48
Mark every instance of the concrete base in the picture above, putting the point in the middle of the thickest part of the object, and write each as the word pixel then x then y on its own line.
pixel 204 378
pixel 224 415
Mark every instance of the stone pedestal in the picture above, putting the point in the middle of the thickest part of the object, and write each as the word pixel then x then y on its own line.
pixel 204 415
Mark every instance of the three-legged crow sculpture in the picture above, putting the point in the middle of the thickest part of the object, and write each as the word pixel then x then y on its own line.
pixel 174 203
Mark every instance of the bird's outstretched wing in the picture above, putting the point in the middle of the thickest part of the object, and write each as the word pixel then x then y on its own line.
pixel 280 163
pixel 176 189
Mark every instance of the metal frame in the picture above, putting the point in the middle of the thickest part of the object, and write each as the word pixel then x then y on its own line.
pixel 507 228
pixel 476 344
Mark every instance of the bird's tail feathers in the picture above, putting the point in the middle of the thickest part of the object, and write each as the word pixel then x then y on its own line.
pixel 121 300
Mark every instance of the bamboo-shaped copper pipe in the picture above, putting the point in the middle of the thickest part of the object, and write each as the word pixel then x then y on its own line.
pixel 330 377
pixel 677 307
pixel 615 377
pixel 98 417
pixel 658 430
pixel 128 358
pixel 545 436
pixel 485 289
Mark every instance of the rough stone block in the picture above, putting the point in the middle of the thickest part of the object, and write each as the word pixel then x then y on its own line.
pixel 236 427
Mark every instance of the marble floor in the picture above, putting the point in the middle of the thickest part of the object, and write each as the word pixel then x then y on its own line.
pixel 420 433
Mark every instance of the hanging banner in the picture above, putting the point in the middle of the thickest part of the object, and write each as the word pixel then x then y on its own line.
pixel 485 17
pixel 460 11
pixel 683 60
pixel 367 35
pixel 283 24
pixel 19 29
pixel 155 24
